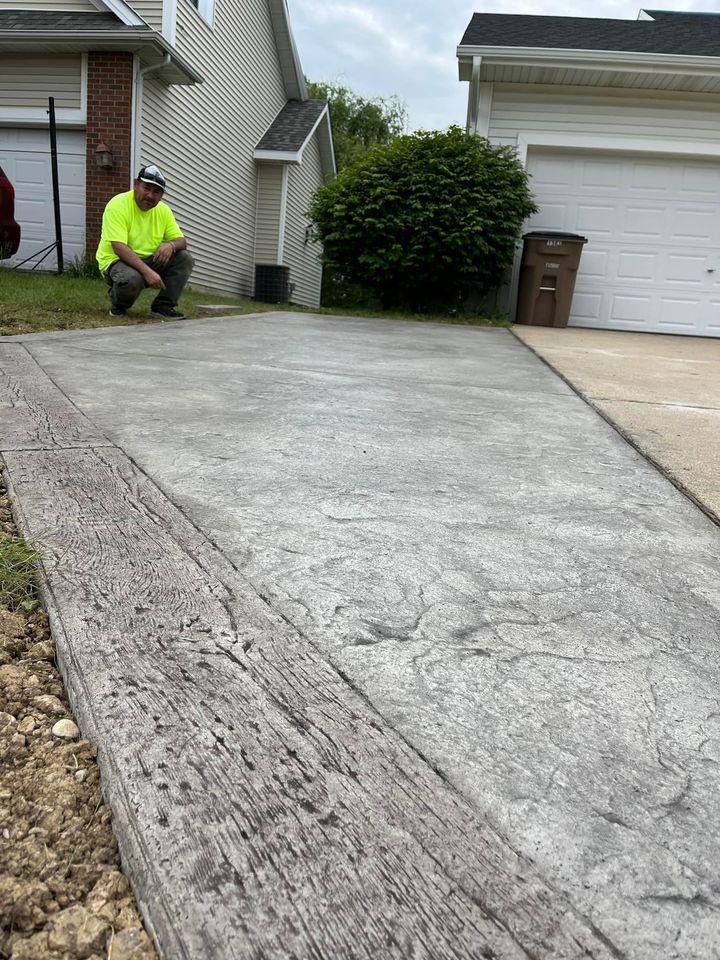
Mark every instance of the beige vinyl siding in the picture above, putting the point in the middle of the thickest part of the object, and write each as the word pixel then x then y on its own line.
pixel 67 6
pixel 269 205
pixel 301 254
pixel 663 118
pixel 151 11
pixel 203 136
pixel 28 81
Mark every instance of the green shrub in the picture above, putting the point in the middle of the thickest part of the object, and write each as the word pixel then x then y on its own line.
pixel 339 291
pixel 426 220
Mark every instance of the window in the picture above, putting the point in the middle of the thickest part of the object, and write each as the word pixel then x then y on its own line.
pixel 206 9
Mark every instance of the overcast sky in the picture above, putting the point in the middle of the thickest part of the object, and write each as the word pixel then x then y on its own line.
pixel 407 47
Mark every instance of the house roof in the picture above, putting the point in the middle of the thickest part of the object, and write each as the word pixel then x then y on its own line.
pixel 47 20
pixel 285 139
pixel 51 31
pixel 671 33
pixel 291 128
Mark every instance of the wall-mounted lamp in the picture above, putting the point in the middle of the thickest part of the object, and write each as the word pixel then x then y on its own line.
pixel 103 156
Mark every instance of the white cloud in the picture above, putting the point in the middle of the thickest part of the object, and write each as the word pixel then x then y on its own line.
pixel 394 47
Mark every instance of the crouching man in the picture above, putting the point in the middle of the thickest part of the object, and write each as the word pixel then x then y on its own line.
pixel 142 246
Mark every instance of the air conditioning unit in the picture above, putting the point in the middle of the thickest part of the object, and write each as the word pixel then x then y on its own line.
pixel 272 283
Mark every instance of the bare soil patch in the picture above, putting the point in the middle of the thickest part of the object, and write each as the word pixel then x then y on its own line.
pixel 62 893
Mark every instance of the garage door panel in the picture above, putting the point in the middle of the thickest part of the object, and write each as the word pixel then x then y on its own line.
pixel 552 214
pixel 596 218
pixel 600 175
pixel 701 179
pixel 28 172
pixel 25 156
pixel 650 178
pixel 547 174
pixel 672 311
pixel 634 309
pixel 637 266
pixel 595 264
pixel 588 306
pixel 712 327
pixel 689 270
pixel 643 222
pixel 694 224
pixel 653 229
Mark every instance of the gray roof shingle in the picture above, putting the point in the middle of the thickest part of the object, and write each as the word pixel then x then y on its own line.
pixel 673 33
pixel 46 21
pixel 292 126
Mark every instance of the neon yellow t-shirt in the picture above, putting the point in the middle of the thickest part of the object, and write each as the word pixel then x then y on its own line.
pixel 142 230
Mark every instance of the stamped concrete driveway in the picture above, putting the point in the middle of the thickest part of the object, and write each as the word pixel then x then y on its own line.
pixel 529 602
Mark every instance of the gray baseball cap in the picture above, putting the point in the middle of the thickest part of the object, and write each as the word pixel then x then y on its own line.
pixel 151 174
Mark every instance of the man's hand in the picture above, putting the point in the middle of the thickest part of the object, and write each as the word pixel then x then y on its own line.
pixel 128 256
pixel 164 252
pixel 153 279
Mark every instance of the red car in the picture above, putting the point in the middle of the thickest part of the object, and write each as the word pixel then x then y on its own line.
pixel 9 229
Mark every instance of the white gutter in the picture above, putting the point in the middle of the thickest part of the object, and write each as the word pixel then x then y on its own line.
pixel 278 156
pixel 137 109
pixel 590 59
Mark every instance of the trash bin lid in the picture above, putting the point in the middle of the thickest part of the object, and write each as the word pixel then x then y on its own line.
pixel 553 235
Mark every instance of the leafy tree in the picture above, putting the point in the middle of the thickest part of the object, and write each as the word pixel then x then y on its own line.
pixel 425 220
pixel 359 124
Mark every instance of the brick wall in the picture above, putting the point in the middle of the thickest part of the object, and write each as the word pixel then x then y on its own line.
pixel 109 119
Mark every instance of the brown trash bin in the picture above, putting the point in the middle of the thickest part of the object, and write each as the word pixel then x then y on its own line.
pixel 549 265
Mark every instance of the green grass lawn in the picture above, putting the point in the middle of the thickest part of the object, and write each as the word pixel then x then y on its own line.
pixel 31 303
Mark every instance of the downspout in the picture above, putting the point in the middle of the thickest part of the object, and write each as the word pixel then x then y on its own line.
pixel 137 107
pixel 474 96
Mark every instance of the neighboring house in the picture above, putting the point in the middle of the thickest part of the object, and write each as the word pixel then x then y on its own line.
pixel 618 123
pixel 210 90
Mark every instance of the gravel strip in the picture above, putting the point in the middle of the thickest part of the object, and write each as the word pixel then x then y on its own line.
pixel 62 893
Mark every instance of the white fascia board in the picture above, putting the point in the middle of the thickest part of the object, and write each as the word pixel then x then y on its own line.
pixel 331 171
pixel 317 123
pixel 591 59
pixel 169 20
pixel 606 142
pixel 292 74
pixel 122 11
pixel 327 148
pixel 277 156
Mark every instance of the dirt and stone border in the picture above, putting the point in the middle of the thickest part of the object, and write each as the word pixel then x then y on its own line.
pixel 62 893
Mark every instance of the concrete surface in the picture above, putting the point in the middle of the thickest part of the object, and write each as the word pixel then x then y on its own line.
pixel 662 391
pixel 528 601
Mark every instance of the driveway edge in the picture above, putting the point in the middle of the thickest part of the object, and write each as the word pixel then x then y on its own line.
pixel 625 434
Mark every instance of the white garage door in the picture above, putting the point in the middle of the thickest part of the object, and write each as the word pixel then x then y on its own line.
pixel 25 158
pixel 652 261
